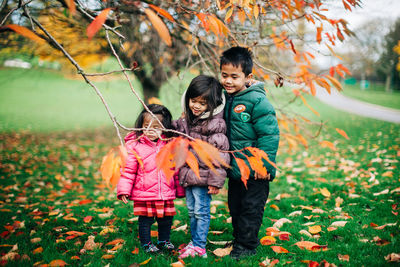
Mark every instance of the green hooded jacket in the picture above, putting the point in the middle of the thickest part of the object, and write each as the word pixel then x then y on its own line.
pixel 251 121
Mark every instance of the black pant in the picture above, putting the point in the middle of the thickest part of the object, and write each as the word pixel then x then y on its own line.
pixel 246 207
pixel 164 228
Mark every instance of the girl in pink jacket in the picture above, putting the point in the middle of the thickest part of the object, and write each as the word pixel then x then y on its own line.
pixel 144 184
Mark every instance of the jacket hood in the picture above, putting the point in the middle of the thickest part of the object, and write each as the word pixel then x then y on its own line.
pixel 205 115
pixel 130 136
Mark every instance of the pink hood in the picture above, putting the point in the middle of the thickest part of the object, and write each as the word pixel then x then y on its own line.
pixel 140 179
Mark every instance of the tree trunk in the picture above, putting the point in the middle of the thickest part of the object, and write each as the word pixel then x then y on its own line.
pixel 388 82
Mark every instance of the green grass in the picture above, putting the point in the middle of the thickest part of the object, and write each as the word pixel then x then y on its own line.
pixel 44 177
pixel 39 100
pixel 375 94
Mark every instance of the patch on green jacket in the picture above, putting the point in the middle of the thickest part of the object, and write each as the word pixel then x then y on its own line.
pixel 245 116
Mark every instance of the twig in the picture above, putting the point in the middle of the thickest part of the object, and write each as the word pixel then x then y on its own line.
pixel 21 4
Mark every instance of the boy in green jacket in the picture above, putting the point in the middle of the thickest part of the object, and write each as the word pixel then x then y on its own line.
pixel 251 122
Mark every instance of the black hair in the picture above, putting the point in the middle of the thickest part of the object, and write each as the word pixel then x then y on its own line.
pixel 207 87
pixel 238 56
pixel 156 110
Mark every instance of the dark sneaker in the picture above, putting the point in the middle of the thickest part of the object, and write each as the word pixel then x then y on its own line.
pixel 165 245
pixel 150 248
pixel 240 251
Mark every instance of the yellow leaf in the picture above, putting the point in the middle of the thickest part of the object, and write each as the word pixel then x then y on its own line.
pixel 159 25
pixel 38 250
pixel 325 192
pixel 256 11
pixel 228 14
pixel 154 100
pixel 145 262
pixel 314 229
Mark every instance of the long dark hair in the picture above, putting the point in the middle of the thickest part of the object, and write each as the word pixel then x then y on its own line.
pixel 207 87
pixel 156 110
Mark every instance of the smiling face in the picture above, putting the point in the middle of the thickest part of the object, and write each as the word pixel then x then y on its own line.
pixel 233 78
pixel 198 105
pixel 154 132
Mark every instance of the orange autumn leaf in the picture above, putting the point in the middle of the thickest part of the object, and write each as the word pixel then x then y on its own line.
pixel 267 240
pixel 202 17
pixel 88 219
pixel 162 12
pixel 306 244
pixel 279 249
pixel 307 105
pixel 241 15
pixel 24 32
pixel 318 37
pixel 327 144
pixel 115 242
pixel 37 250
pixel 164 160
pixel 244 170
pixel 55 263
pixel 180 151
pixel 71 6
pixel 76 233
pixel 275 207
pixel 146 261
pixel 159 25
pixel 334 82
pixel 260 153
pixel 107 256
pixel 321 82
pixel 257 165
pixel 154 233
pixel 135 251
pixel 97 23
pixel 212 153
pixel 192 163
pixel 342 133
pixel 312 88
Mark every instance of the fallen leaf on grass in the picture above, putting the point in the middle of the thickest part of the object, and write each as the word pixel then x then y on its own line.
pixel 87 219
pixel 145 262
pixel 330 228
pixel 305 232
pixel 384 192
pixel 295 213
pixel 275 207
pixel 181 228
pixel 268 263
pixel 37 250
pixel 222 252
pixel 75 258
pixel 314 229
pixel 307 245
pixel 343 257
pixel 278 224
pixel 107 256
pixel 36 240
pixel 393 257
pixel 325 192
pixel 267 240
pixel 55 263
pixel 135 251
pixel 76 233
pixel 115 242
pixel 279 249
pixel 216 232
pixel 338 224
pixel 218 243
pixel 179 263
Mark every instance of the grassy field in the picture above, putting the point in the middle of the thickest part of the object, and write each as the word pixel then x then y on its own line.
pixel 375 94
pixel 345 200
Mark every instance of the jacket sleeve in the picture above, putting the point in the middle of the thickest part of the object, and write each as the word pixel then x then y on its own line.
pixel 267 130
pixel 128 174
pixel 218 138
pixel 178 125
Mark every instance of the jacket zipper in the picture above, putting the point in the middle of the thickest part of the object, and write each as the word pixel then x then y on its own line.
pixel 159 176
pixel 228 120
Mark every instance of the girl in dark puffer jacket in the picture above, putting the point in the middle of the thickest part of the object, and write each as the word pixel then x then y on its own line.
pixel 203 104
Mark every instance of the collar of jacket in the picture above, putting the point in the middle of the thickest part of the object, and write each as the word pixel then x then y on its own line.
pixel 205 115
pixel 258 86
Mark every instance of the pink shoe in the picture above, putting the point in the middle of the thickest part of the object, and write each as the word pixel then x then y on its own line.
pixel 193 252
pixel 190 245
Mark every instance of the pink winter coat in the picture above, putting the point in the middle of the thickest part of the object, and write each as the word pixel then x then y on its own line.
pixel 144 182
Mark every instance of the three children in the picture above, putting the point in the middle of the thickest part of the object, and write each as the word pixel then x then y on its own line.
pixel 241 117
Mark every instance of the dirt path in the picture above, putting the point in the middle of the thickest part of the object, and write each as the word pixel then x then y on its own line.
pixel 358 107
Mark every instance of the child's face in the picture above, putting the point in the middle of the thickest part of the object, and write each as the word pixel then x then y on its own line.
pixel 197 105
pixel 233 78
pixel 154 131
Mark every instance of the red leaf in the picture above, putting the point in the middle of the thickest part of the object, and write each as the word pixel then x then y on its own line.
pixel 24 32
pixel 85 201
pixel 88 219
pixel 97 23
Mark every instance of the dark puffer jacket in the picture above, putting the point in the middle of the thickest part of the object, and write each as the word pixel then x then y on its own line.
pixel 212 131
pixel 251 121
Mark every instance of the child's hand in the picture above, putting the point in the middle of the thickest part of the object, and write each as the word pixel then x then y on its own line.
pixel 124 198
pixel 213 190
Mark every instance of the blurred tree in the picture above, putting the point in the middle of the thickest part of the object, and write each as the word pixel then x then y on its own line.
pixel 388 59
